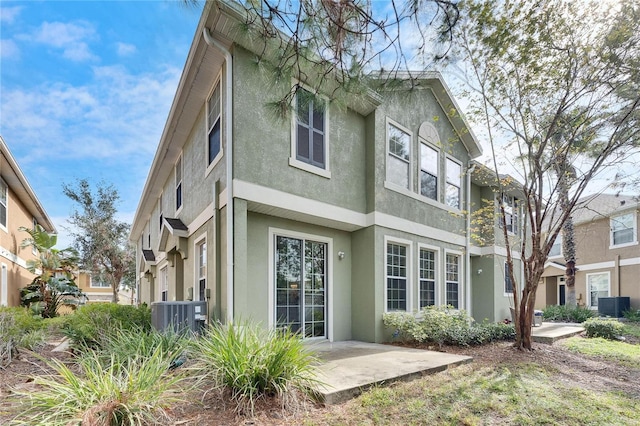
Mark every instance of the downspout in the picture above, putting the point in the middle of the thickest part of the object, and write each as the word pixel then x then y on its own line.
pixel 229 163
pixel 468 240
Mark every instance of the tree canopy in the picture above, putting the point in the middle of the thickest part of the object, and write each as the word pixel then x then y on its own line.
pixel 100 238
pixel 556 85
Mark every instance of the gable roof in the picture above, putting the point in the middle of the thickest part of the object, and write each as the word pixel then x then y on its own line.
pixel 16 180
pixel 601 206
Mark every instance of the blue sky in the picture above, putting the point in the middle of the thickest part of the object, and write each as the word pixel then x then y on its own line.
pixel 85 90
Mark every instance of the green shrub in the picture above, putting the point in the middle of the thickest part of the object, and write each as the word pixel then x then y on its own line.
pixel 605 328
pixel 252 362
pixel 564 313
pixel 18 328
pixel 632 315
pixel 136 393
pixel 445 326
pixel 89 324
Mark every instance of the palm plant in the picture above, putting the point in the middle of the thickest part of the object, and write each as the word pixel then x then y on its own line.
pixel 48 291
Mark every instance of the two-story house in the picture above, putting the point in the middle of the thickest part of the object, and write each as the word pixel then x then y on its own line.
pixel 320 222
pixel 19 207
pixel 607 254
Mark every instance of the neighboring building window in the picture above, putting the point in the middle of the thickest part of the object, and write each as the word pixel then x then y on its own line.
pixel 623 229
pixel 396 277
pixel 179 183
pixel 310 129
pixel 164 284
pixel 160 208
pixel 428 172
pixel 510 213
pixel 3 203
pixel 597 286
pixel 427 295
pixel 98 283
pixel 452 283
pixel 398 158
pixel 214 118
pixel 508 284
pixel 556 248
pixel 454 178
pixel 202 269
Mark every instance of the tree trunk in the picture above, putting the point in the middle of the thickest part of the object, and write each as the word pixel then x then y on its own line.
pixel 568 236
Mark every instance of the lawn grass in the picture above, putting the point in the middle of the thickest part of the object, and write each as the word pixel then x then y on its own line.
pixel 612 350
pixel 522 394
pixel 632 329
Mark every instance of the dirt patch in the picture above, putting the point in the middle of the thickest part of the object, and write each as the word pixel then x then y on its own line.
pixel 214 407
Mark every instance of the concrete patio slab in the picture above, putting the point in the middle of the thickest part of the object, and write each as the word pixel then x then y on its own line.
pixel 549 332
pixel 350 367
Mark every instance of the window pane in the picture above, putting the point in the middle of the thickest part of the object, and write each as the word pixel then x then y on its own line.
pixel 623 228
pixel 3 215
pixel 428 185
pixel 318 149
pixel 396 277
pixel 318 118
pixel 303 143
pixel 304 101
pixel 397 171
pixel 214 141
pixel 623 236
pixel 429 159
pixel 454 172
pixel 214 106
pixel 399 142
pixel 598 285
pixel 452 196
pixel 556 249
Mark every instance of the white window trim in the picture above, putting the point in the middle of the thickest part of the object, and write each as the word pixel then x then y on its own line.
pixel 461 278
pixel 217 158
pixel 3 226
pixel 293 161
pixel 161 270
pixel 175 186
pixel 588 290
pixel 279 232
pixel 410 281
pixel 438 177
pixel 437 277
pixel 389 184
pixel 635 231
pixel 202 238
pixel 460 186
pixel 96 286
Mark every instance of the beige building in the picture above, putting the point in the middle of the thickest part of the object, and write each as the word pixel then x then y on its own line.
pixel 607 254
pixel 19 207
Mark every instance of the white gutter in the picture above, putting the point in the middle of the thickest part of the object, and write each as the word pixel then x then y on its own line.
pixel 229 162
pixel 468 240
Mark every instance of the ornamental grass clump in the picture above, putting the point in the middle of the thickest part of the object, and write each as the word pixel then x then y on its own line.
pixel 136 392
pixel 252 363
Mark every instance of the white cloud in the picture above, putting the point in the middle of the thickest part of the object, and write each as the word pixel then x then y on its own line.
pixel 8 14
pixel 8 49
pixel 70 37
pixel 125 49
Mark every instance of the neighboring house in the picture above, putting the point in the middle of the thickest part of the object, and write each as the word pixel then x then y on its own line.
pixel 19 207
pixel 95 290
pixel 607 254
pixel 322 222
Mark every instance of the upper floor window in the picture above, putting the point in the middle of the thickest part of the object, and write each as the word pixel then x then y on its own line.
pixel 510 213
pixel 160 208
pixel 624 229
pixel 428 171
pixel 179 183
pixel 397 295
pixel 398 162
pixel 214 118
pixel 508 284
pixel 310 129
pixel 556 248
pixel 3 203
pixel 95 282
pixel 454 179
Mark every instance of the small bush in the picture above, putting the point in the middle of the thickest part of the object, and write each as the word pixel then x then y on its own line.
pixel 18 328
pixel 89 324
pixel 136 393
pixel 632 315
pixel 252 362
pixel 564 313
pixel 445 326
pixel 605 328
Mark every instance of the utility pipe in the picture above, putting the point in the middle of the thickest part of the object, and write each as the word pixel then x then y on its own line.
pixel 229 162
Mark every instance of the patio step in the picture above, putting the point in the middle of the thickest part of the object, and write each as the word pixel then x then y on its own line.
pixel 549 332
pixel 348 368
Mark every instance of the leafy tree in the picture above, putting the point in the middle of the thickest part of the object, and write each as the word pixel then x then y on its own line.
pixel 548 75
pixel 101 239
pixel 54 283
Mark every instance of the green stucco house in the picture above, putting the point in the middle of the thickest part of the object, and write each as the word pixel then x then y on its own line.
pixel 320 222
